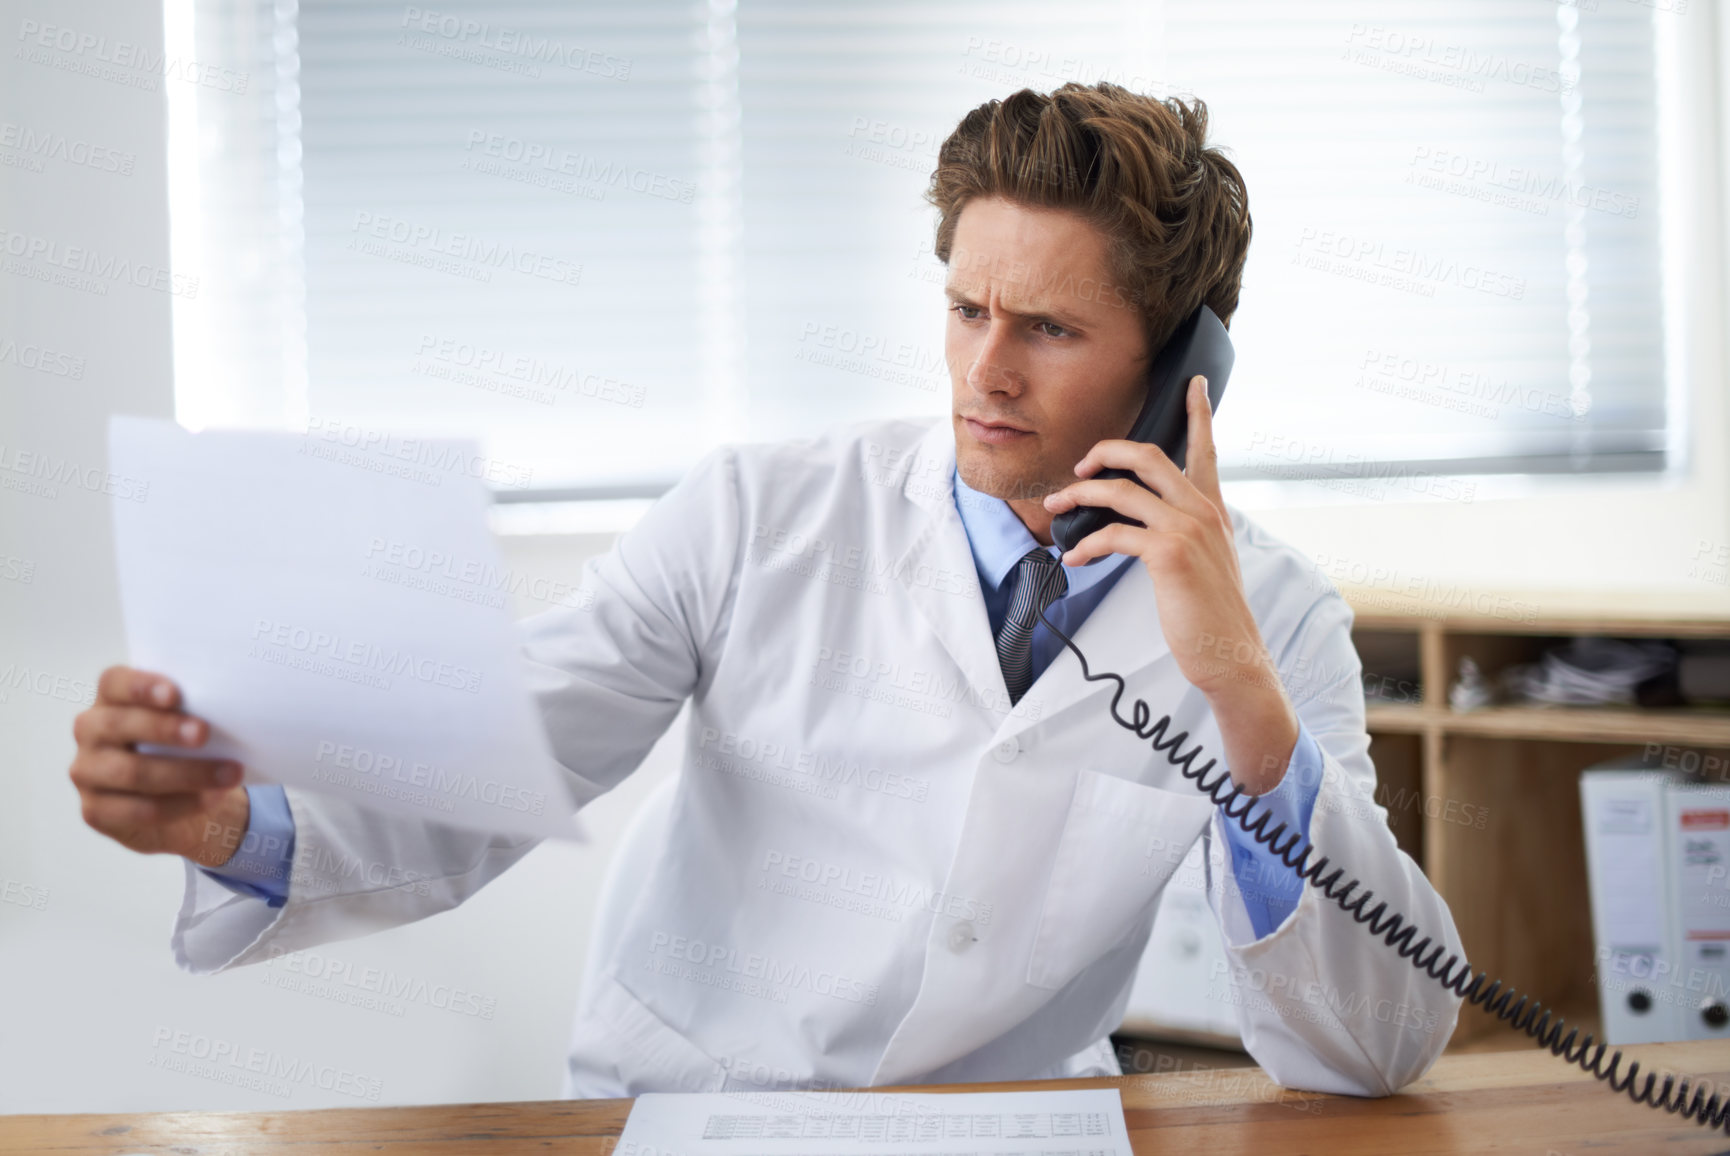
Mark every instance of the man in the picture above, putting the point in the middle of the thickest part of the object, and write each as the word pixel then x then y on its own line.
pixel 909 843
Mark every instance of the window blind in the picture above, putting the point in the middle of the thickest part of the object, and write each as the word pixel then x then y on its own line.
pixel 603 238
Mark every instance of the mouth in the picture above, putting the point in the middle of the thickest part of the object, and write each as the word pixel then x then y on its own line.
pixel 995 432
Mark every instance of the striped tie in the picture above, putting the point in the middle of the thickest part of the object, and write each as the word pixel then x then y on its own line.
pixel 1039 581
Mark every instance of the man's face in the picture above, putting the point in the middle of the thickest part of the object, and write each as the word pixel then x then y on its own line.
pixel 1046 352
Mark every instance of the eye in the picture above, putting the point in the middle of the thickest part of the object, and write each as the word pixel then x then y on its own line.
pixel 1053 329
pixel 965 311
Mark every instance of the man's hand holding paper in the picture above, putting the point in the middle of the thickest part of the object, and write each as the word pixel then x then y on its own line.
pixel 336 614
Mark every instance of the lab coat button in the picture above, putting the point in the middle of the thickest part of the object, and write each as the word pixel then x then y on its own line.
pixel 1006 750
pixel 961 937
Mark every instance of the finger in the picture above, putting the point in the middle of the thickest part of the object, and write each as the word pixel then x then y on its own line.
pixel 114 769
pixel 1117 538
pixel 123 811
pixel 1149 463
pixel 1121 495
pixel 124 686
pixel 122 725
pixel 1201 456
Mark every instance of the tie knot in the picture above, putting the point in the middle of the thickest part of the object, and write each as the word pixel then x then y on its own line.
pixel 1042 576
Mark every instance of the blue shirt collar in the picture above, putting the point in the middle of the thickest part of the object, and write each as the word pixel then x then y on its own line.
pixel 999 540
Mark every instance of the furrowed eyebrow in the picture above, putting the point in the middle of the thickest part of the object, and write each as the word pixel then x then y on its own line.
pixel 959 296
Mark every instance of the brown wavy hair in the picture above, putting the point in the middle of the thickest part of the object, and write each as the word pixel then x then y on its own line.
pixel 1176 212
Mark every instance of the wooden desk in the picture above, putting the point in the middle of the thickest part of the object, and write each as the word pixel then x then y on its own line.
pixel 1508 1101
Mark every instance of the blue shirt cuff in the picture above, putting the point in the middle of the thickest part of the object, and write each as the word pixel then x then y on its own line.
pixel 260 865
pixel 1269 888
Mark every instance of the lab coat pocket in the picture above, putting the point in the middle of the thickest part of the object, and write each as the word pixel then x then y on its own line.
pixel 1121 842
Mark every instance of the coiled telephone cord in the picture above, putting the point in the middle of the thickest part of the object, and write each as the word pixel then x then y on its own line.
pixel 1517 1011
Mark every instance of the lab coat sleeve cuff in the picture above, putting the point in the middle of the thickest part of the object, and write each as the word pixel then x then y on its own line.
pixel 1269 888
pixel 260 865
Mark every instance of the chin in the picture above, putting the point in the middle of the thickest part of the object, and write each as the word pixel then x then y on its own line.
pixel 1001 476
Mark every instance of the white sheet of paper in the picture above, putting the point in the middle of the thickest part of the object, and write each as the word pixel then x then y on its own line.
pixel 1069 1122
pixel 337 613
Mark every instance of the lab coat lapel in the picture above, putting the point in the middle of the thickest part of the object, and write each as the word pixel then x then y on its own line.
pixel 938 571
pixel 954 1013
pixel 1122 636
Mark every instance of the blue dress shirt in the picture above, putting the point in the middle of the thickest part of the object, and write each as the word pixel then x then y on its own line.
pixel 260 866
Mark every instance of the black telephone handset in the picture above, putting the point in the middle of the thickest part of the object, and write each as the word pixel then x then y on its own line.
pixel 1199 345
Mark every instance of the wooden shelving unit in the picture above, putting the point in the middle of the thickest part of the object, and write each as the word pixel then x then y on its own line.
pixel 1488 800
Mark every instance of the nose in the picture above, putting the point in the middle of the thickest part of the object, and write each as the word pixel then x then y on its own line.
pixel 993 369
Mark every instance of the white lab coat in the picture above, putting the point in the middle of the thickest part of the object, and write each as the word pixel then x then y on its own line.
pixel 876 871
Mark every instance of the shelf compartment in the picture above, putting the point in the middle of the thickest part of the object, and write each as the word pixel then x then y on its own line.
pixel 1670 726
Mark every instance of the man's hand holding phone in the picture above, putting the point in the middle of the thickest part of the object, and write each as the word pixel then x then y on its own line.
pixel 1185 541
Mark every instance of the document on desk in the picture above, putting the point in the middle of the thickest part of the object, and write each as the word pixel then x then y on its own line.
pixel 334 605
pixel 1072 1122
